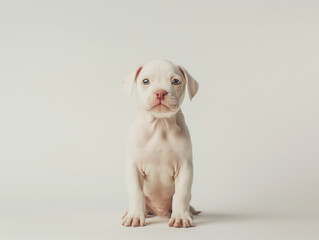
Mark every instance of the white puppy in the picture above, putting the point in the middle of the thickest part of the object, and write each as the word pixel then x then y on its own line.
pixel 159 166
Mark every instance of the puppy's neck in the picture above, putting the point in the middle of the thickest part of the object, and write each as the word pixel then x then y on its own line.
pixel 148 119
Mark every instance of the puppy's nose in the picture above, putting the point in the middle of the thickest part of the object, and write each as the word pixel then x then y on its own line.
pixel 160 94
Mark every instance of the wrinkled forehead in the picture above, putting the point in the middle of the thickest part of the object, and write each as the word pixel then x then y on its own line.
pixel 160 69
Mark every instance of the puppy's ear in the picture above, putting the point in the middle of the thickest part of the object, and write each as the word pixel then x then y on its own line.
pixel 128 82
pixel 191 83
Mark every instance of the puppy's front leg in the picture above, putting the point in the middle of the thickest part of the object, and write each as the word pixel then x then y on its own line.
pixel 181 216
pixel 136 214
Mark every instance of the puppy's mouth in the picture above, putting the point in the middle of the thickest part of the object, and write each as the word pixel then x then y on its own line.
pixel 160 107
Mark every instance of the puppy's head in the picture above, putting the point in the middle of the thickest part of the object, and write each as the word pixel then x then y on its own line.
pixel 160 87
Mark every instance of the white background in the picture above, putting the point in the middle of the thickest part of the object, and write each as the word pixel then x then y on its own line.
pixel 254 122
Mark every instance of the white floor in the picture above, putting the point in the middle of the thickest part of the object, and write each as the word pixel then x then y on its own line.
pixel 209 225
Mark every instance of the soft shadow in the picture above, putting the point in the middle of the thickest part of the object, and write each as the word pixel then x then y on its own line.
pixel 205 218
pixel 155 220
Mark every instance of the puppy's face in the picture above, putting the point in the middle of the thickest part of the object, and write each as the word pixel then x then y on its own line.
pixel 160 87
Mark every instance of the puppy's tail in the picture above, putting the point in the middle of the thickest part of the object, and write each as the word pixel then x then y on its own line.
pixel 193 211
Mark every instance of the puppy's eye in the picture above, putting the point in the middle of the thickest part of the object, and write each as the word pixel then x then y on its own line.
pixel 176 82
pixel 146 81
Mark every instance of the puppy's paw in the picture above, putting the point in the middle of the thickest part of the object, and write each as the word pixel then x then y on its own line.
pixel 134 219
pixel 181 219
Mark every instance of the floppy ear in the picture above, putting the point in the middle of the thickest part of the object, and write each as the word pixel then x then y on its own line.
pixel 191 83
pixel 128 82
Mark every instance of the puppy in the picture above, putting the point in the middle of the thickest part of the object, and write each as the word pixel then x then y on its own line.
pixel 159 165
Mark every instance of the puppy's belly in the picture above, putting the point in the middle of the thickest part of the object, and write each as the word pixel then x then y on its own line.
pixel 158 181
pixel 159 190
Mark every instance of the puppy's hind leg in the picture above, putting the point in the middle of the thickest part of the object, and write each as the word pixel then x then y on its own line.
pixel 193 211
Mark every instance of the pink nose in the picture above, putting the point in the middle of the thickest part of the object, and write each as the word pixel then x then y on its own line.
pixel 160 94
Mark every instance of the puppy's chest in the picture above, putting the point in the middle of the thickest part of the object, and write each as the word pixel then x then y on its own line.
pixel 160 152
